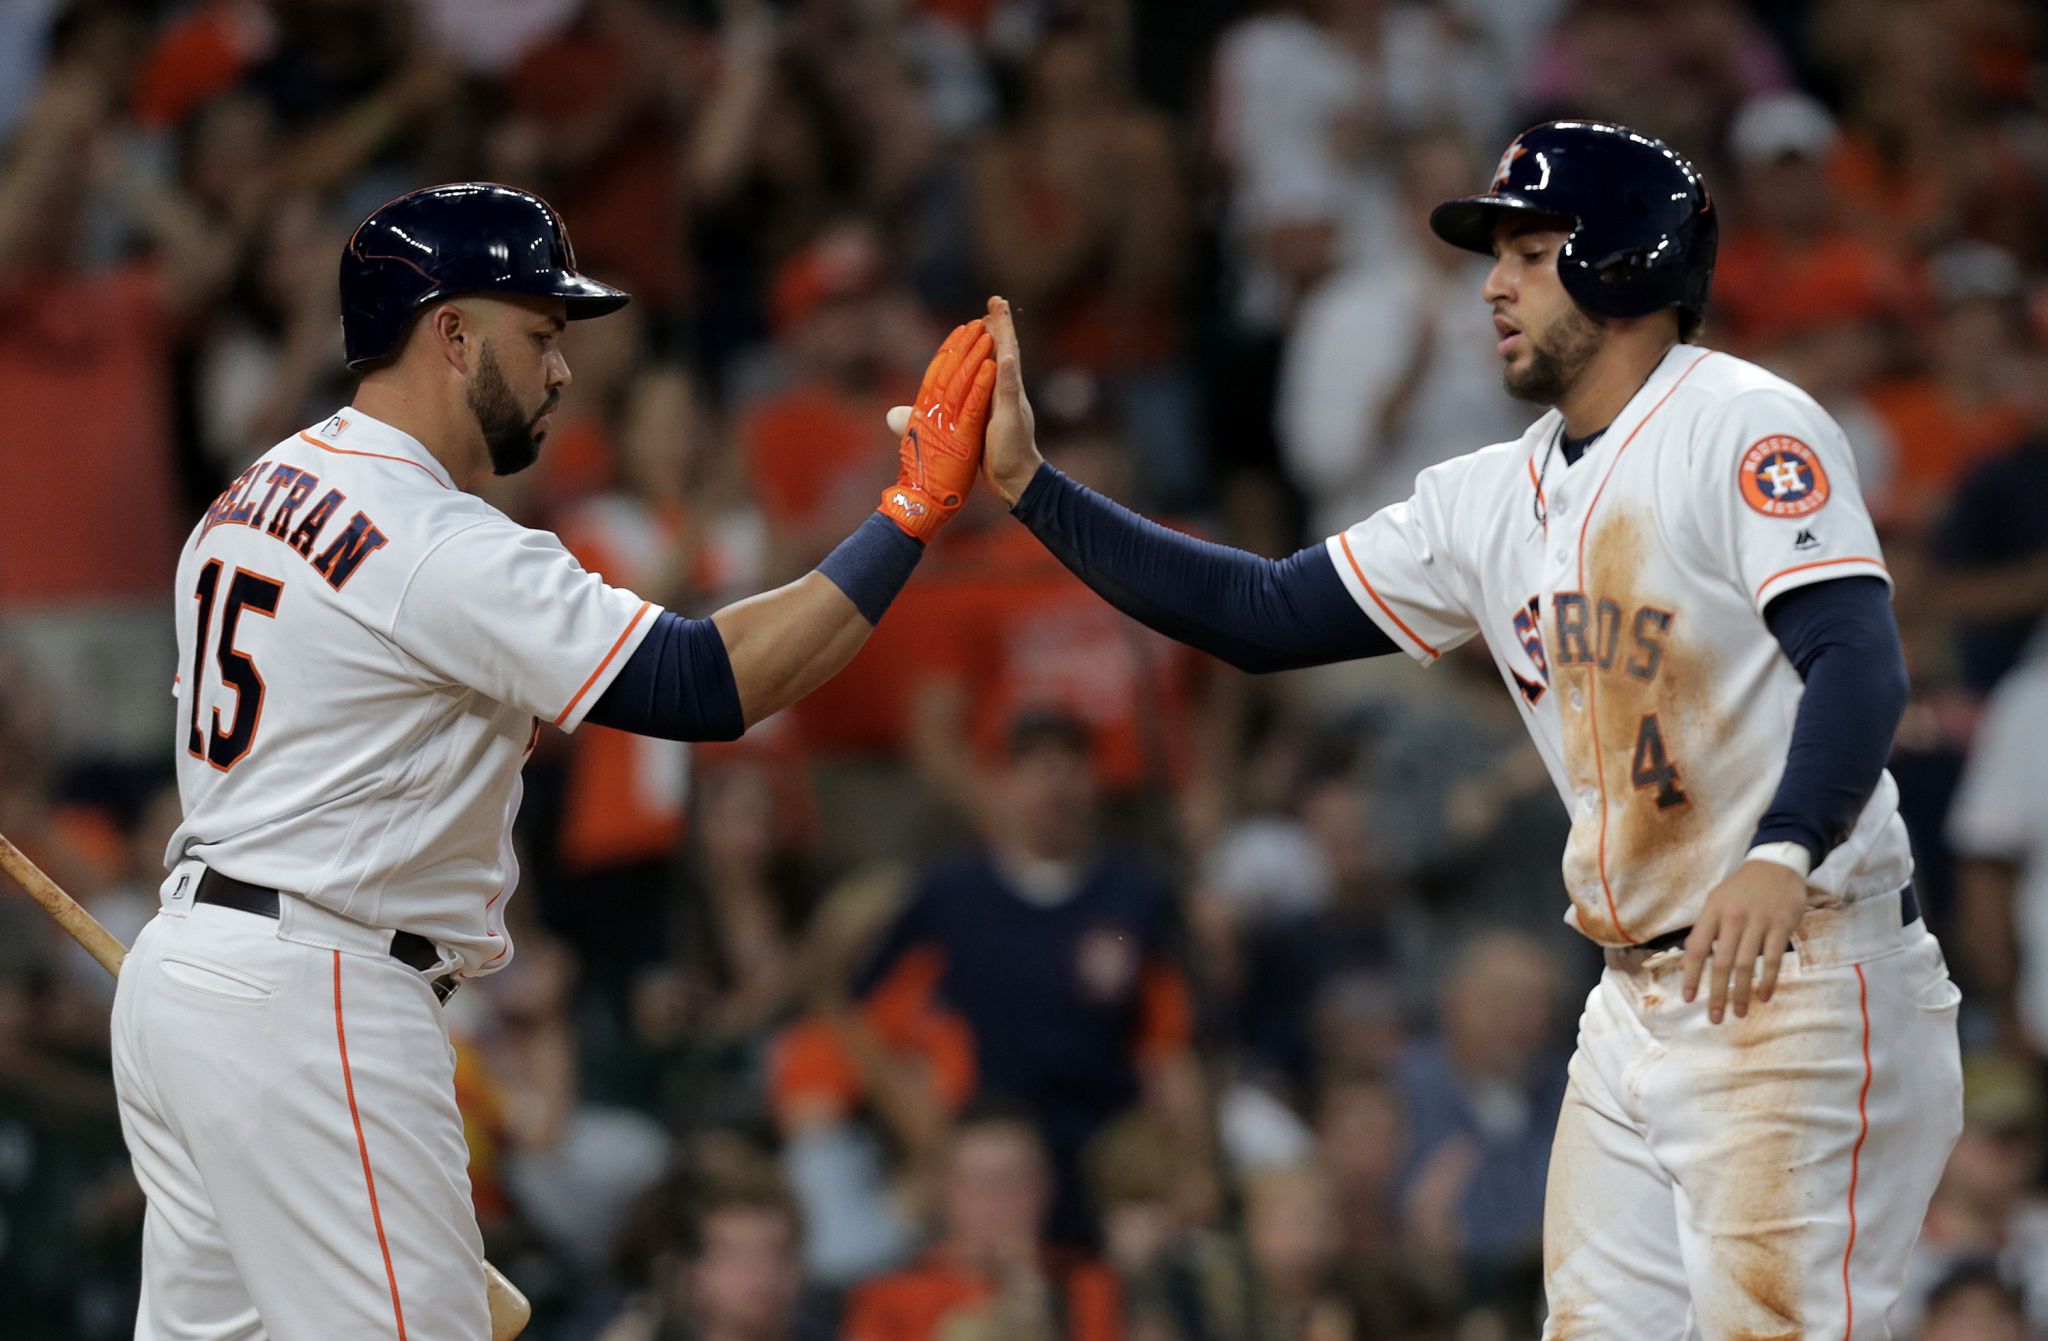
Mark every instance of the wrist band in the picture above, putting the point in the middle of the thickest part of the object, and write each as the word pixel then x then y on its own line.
pixel 872 564
pixel 1792 856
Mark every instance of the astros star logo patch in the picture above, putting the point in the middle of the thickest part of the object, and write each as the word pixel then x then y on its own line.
pixel 1782 477
pixel 1507 162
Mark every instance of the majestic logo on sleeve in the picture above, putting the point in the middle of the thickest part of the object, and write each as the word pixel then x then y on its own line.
pixel 1782 477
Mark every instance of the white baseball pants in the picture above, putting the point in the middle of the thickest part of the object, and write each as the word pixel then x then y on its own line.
pixel 1764 1178
pixel 290 1110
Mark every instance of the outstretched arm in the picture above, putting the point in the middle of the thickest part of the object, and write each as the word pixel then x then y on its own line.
pixel 1256 613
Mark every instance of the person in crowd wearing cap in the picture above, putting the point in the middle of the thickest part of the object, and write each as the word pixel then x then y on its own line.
pixel 1049 957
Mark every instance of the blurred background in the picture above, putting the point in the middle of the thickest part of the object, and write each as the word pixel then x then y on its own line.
pixel 1037 977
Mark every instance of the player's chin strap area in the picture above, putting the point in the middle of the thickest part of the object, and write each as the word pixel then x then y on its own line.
pixel 408 948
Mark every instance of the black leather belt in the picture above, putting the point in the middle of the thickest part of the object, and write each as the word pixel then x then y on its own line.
pixel 1909 913
pixel 408 948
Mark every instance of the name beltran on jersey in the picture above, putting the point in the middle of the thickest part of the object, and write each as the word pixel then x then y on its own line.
pixel 276 513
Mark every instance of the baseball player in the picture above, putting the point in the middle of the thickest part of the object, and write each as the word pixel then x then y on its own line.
pixel 368 655
pixel 1684 596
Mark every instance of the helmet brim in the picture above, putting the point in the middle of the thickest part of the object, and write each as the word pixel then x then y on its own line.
pixel 586 298
pixel 1469 221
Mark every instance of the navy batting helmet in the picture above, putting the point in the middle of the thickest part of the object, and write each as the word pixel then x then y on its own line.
pixel 444 241
pixel 1643 229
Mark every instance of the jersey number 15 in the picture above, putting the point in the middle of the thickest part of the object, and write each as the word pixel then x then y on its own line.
pixel 223 747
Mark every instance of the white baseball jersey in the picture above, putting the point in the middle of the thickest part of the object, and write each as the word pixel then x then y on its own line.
pixel 368 654
pixel 1622 598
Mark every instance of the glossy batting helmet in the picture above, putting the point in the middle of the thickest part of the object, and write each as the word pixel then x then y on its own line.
pixel 445 241
pixel 1643 229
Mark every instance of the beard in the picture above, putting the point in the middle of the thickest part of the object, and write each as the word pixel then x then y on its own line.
pixel 1556 361
pixel 508 430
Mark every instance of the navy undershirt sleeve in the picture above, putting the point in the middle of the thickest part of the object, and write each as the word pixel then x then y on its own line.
pixel 1256 613
pixel 1841 638
pixel 677 685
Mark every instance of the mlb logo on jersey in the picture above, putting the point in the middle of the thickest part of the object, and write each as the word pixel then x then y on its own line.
pixel 1782 477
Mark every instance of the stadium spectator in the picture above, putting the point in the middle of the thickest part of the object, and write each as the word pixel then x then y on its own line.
pixel 1963 408
pixel 1999 829
pixel 1050 959
pixel 1482 1100
pixel 1390 367
pixel 991 1273
pixel 719 1255
pixel 1974 1305
pixel 1022 635
pixel 1079 212
pixel 85 373
pixel 1468 813
pixel 1993 546
pixel 1988 1212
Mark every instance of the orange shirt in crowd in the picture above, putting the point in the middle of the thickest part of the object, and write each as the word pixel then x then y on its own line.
pixel 200 55
pixel 1025 634
pixel 1767 290
pixel 624 797
pixel 1938 440
pixel 817 461
pixel 88 508
pixel 926 1302
pixel 816 455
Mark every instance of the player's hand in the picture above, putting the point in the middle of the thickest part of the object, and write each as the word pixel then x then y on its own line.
pixel 1750 915
pixel 1012 455
pixel 1012 440
pixel 940 449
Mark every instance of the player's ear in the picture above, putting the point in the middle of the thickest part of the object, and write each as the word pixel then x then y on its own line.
pixel 453 333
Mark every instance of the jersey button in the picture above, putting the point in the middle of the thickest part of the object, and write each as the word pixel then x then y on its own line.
pixel 1578 699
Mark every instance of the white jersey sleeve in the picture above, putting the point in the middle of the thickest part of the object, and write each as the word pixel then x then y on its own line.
pixel 509 612
pixel 1778 498
pixel 1400 565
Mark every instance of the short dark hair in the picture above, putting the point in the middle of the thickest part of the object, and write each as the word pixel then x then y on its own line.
pixel 1035 729
pixel 995 1113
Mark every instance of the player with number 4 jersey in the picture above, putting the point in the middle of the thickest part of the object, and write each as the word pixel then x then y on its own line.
pixel 1675 575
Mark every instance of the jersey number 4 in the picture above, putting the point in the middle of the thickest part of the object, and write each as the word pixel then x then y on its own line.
pixel 1652 768
pixel 223 747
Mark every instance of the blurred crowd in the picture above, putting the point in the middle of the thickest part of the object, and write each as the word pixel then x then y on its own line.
pixel 1037 978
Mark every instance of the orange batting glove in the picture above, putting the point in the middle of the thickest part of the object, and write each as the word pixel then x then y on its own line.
pixel 940 452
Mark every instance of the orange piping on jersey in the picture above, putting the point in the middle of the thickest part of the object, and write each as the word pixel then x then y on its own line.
pixel 1592 680
pixel 377 456
pixel 631 624
pixel 1856 1155
pixel 1345 541
pixel 363 1148
pixel 1817 563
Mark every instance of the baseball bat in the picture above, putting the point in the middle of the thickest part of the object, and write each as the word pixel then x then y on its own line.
pixel 509 1309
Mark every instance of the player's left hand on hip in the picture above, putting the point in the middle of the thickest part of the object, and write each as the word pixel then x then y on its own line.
pixel 941 437
pixel 1749 916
